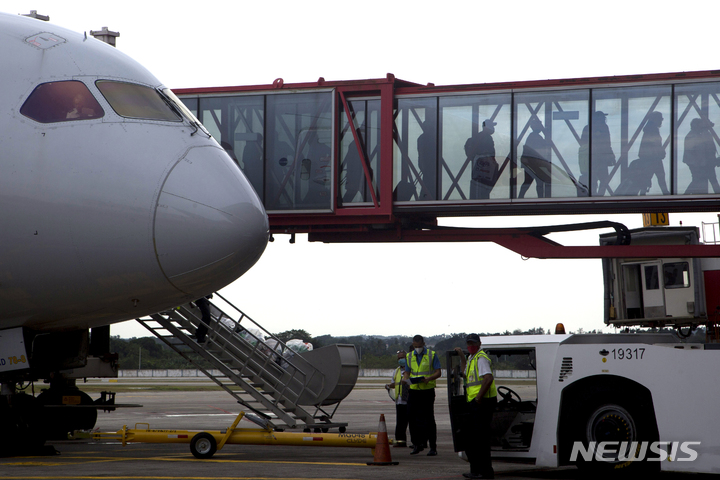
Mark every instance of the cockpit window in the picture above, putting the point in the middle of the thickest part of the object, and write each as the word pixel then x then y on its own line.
pixel 136 101
pixel 61 102
pixel 174 100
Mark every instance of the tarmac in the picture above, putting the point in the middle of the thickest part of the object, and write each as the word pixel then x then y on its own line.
pixel 216 410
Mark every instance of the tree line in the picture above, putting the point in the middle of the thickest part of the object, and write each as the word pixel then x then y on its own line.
pixel 374 351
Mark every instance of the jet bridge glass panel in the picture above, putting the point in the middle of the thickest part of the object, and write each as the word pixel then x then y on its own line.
pixel 238 124
pixel 192 105
pixel 415 150
pixel 298 146
pixel 638 121
pixel 697 124
pixel 474 133
pixel 549 134
pixel 360 165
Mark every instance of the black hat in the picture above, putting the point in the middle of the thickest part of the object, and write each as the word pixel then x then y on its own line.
pixel 472 337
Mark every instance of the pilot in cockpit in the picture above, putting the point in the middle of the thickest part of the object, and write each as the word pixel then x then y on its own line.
pixel 80 110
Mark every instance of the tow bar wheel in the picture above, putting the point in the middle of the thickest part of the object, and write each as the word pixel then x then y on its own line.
pixel 203 445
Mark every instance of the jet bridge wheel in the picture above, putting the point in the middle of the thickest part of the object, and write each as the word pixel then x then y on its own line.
pixel 203 445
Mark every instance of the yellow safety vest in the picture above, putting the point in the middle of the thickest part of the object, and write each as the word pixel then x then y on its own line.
pixel 423 370
pixel 397 380
pixel 473 380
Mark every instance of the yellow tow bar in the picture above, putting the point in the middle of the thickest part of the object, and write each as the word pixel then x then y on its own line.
pixel 204 444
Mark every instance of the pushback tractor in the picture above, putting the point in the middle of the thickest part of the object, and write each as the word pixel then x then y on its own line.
pixel 615 401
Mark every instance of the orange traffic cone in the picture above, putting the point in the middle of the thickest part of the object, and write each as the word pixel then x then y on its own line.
pixel 382 447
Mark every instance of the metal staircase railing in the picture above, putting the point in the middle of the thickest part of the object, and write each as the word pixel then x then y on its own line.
pixel 262 373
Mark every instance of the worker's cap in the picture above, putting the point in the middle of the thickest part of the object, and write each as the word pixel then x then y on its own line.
pixel 489 123
pixel 473 337
pixel 600 113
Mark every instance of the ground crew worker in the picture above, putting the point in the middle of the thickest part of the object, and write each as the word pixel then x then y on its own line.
pixel 481 394
pixel 401 397
pixel 423 367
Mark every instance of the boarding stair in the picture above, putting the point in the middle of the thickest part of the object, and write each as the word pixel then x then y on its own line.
pixel 278 388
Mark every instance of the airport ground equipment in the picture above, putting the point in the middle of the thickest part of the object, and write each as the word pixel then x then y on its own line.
pixel 279 388
pixel 604 401
pixel 600 401
pixel 204 444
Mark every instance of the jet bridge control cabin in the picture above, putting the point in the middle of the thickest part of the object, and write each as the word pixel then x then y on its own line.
pixel 658 292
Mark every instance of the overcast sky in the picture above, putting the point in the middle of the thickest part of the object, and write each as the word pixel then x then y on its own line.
pixel 417 288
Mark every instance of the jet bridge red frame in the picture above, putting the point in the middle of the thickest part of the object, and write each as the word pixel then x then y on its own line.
pixel 382 220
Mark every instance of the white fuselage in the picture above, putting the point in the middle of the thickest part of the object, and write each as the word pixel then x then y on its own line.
pixel 113 217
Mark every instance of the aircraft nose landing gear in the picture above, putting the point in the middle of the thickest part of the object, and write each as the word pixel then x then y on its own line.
pixel 66 409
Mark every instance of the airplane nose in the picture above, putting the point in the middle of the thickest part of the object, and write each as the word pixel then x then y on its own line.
pixel 210 227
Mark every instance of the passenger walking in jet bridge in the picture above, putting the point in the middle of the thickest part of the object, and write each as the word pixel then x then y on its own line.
pixel 535 161
pixel 427 159
pixel 401 392
pixel 652 151
pixel 423 368
pixel 481 395
pixel 480 150
pixel 700 156
pixel 602 157
pixel 204 305
pixel 252 160
pixel 354 175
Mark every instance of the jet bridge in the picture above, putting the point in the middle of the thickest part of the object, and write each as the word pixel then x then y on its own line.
pixel 383 159
pixel 278 387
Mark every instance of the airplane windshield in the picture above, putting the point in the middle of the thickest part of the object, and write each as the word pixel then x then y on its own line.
pixel 136 101
pixel 64 101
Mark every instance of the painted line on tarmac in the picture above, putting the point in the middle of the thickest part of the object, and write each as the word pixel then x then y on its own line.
pixel 87 460
pixel 274 462
pixel 200 414
pixel 219 460
pixel 125 477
